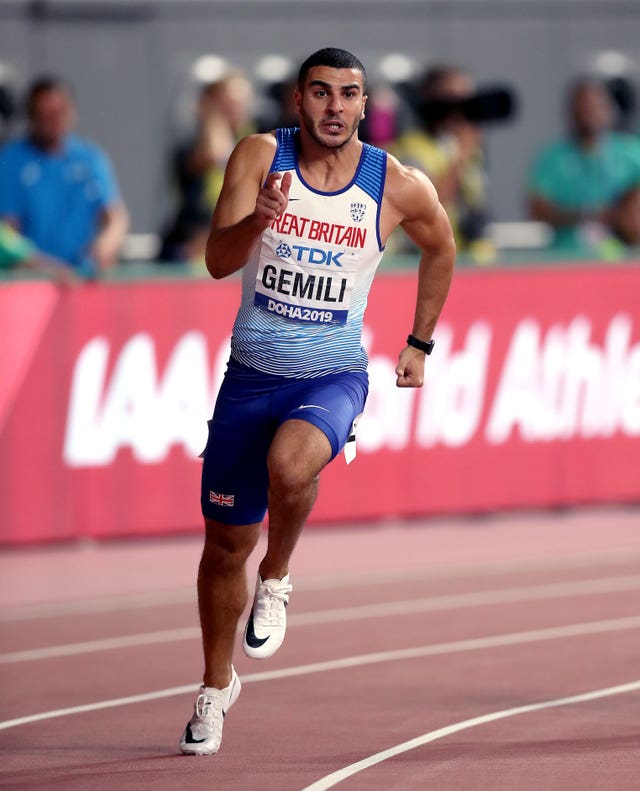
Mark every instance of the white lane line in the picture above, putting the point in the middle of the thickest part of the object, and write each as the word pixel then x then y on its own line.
pixel 406 607
pixel 475 599
pixel 118 603
pixel 437 649
pixel 348 771
pixel 106 644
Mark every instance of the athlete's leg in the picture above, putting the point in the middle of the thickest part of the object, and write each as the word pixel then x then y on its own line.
pixel 222 594
pixel 298 453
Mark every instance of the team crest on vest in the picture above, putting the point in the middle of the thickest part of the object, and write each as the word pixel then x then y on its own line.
pixel 357 211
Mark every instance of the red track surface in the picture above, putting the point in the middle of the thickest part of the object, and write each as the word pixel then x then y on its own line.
pixel 487 617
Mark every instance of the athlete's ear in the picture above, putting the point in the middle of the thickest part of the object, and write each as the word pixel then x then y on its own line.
pixel 364 104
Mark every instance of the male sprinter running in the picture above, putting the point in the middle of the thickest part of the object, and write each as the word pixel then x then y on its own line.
pixel 305 213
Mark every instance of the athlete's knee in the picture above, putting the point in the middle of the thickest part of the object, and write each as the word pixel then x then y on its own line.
pixel 227 547
pixel 288 475
pixel 295 460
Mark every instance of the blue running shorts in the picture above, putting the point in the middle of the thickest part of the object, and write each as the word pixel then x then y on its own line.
pixel 249 409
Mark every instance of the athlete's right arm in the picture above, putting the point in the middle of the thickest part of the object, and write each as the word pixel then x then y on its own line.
pixel 250 200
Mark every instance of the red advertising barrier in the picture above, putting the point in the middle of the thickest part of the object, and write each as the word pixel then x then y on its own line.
pixel 532 399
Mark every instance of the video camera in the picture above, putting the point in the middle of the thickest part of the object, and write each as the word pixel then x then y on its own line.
pixel 486 105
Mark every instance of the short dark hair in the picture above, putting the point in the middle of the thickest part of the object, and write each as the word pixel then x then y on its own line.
pixel 334 58
pixel 44 84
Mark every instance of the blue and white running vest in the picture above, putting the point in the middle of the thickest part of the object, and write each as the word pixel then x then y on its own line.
pixel 305 287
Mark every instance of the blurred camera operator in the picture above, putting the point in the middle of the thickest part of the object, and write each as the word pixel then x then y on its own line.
pixel 449 148
pixel 587 186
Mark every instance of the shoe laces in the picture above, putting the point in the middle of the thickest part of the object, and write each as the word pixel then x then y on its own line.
pixel 209 709
pixel 271 596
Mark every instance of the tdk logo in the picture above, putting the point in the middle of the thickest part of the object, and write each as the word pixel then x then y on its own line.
pixel 309 255
pixel 283 250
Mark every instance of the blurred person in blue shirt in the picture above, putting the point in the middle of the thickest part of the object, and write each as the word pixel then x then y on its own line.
pixel 587 186
pixel 59 190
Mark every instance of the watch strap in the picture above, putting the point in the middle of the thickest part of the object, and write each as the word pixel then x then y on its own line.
pixel 424 346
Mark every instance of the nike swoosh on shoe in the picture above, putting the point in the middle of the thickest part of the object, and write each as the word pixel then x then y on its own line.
pixel 189 738
pixel 252 640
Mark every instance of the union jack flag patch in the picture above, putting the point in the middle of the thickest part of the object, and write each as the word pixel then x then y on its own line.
pixel 222 499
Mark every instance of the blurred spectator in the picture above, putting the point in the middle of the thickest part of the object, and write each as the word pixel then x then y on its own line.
pixel 224 115
pixel 58 189
pixel 17 252
pixel 282 112
pixel 587 186
pixel 448 147
pixel 384 118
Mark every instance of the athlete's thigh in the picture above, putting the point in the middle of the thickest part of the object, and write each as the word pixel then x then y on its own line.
pixel 235 479
pixel 329 403
pixel 298 453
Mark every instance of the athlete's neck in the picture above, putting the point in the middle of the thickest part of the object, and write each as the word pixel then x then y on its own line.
pixel 328 169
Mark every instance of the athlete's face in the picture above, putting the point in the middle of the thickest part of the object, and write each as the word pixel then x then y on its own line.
pixel 331 105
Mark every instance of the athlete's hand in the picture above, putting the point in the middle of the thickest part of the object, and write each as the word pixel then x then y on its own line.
pixel 410 368
pixel 273 198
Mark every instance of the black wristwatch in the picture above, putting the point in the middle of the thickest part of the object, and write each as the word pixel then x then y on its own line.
pixel 424 346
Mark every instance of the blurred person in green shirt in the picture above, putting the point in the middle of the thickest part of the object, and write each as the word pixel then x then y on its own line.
pixel 587 186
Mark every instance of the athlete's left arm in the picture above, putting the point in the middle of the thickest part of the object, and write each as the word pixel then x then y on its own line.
pixel 414 200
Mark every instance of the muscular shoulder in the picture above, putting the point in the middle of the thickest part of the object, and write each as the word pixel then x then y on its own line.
pixel 408 192
pixel 258 144
pixel 254 154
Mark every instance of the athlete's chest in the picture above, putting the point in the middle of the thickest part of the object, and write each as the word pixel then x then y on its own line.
pixel 315 252
pixel 343 222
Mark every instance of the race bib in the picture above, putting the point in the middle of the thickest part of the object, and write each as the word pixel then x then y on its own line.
pixel 308 284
